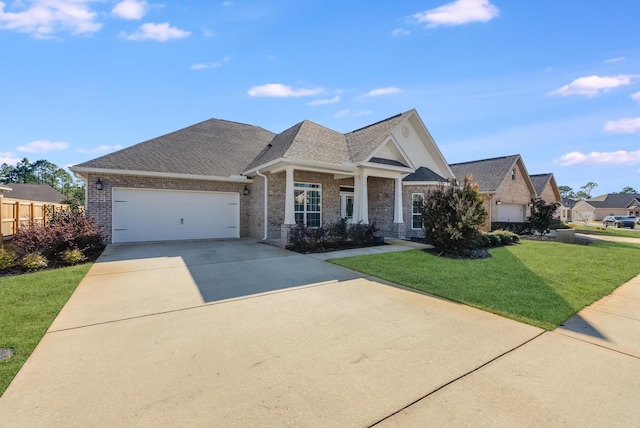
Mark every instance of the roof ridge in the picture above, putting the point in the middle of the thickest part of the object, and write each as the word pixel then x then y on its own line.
pixel 484 160
pixel 376 123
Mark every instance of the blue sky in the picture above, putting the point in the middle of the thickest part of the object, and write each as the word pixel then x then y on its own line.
pixel 555 81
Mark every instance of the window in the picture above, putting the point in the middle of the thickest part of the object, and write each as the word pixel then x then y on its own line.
pixel 417 199
pixel 307 204
pixel 513 174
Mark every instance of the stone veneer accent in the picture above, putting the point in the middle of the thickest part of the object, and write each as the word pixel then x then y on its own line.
pixel 99 202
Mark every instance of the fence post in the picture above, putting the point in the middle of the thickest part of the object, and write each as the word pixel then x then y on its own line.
pixel 16 217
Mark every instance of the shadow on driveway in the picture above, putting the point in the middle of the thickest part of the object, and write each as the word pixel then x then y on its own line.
pixel 226 269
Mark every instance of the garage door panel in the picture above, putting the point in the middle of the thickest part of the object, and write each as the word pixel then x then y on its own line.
pixel 154 215
pixel 511 213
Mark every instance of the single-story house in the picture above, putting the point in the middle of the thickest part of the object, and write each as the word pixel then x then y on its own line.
pixel 506 185
pixel 33 192
pixel 566 209
pixel 595 209
pixel 222 179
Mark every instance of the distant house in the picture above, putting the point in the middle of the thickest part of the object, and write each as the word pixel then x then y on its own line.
pixel 34 192
pixel 546 187
pixel 506 185
pixel 595 209
pixel 566 209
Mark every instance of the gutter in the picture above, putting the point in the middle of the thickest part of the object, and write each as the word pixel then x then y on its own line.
pixel 265 202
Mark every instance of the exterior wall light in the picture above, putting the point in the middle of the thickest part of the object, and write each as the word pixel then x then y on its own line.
pixel 245 191
pixel 99 184
pixel 498 202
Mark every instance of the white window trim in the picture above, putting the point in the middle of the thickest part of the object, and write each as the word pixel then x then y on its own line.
pixel 413 214
pixel 297 186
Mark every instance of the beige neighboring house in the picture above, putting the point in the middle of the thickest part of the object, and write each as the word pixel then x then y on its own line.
pixel 506 185
pixel 595 209
pixel 223 179
pixel 547 190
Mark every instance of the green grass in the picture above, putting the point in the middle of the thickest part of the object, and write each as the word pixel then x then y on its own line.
pixel 539 283
pixel 608 231
pixel 30 303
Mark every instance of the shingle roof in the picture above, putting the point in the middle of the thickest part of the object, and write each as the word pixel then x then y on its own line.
pixel 34 192
pixel 424 174
pixel 214 147
pixel 540 181
pixel 488 173
pixel 305 141
pixel 362 142
pixel 612 200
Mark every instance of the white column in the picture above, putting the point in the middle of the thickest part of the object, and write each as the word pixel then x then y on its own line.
pixel 364 200
pixel 289 215
pixel 357 191
pixel 397 211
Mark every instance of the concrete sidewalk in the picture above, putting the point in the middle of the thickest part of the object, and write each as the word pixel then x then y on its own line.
pixel 139 345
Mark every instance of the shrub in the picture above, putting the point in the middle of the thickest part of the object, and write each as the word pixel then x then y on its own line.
pixel 483 241
pixel 338 233
pixel 452 216
pixel 7 259
pixel 517 228
pixel 494 239
pixel 362 235
pixel 72 257
pixel 506 237
pixel 541 218
pixel 33 261
pixel 66 230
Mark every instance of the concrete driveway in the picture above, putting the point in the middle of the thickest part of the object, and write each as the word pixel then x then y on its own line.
pixel 239 333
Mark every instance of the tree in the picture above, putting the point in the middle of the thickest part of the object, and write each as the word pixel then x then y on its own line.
pixel 629 190
pixel 452 215
pixel 581 194
pixel 566 192
pixel 541 217
pixel 588 188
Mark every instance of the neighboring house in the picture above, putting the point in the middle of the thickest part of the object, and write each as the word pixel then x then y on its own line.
pixel 222 179
pixel 547 190
pixel 506 185
pixel 34 192
pixel 566 209
pixel 595 209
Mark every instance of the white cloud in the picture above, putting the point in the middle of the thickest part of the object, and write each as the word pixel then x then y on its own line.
pixel 101 149
pixel 43 146
pixel 215 64
pixel 158 32
pixel 382 91
pixel 279 90
pixel 130 9
pixel 457 13
pixel 43 18
pixel 636 96
pixel 592 86
pixel 620 157
pixel 400 32
pixel 618 59
pixel 325 101
pixel 625 126
pixel 8 158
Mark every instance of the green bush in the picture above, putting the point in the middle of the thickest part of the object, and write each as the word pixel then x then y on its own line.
pixel 362 235
pixel 494 239
pixel 541 218
pixel 7 259
pixel 72 257
pixel 452 215
pixel 338 235
pixel 33 261
pixel 483 241
pixel 506 237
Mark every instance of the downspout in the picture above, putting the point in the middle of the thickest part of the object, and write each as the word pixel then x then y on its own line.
pixel 265 203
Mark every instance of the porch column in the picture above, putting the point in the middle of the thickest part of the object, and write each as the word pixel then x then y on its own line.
pixel 362 198
pixel 397 211
pixel 289 215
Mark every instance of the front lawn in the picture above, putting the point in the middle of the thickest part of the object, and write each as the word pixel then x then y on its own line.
pixel 536 282
pixel 30 303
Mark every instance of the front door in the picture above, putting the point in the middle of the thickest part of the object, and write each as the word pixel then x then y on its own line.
pixel 346 205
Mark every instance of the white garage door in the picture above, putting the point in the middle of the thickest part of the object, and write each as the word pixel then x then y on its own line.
pixel 511 213
pixel 162 215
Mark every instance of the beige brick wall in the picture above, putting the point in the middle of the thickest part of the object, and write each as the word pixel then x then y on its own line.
pixel 407 192
pixel 512 192
pixel 99 202
pixel 548 195
pixel 381 202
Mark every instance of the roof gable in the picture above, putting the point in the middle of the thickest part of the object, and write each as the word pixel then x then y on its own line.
pixel 491 173
pixel 612 200
pixel 541 181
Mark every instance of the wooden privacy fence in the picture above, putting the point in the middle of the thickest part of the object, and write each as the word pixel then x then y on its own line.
pixel 15 214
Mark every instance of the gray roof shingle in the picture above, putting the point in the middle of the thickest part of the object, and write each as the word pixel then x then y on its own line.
pixel 214 147
pixel 540 181
pixel 34 192
pixel 488 173
pixel 424 174
pixel 362 142
pixel 612 200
